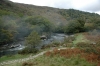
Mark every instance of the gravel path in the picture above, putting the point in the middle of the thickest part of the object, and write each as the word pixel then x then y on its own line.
pixel 25 59
pixel 21 60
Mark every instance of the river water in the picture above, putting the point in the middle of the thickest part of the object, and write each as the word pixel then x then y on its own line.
pixel 11 51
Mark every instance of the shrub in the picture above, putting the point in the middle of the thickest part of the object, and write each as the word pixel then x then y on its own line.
pixel 28 50
pixel 68 45
pixel 82 45
pixel 75 52
pixel 89 47
pixel 32 40
pixel 27 64
pixel 69 39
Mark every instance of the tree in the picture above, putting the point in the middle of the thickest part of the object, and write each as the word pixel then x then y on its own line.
pixel 60 28
pixel 1 23
pixel 42 22
pixel 32 40
pixel 5 35
pixel 97 23
pixel 75 26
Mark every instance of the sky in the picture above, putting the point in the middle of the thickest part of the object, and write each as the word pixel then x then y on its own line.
pixel 92 6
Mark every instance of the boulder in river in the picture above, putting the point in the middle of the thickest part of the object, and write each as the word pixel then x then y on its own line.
pixel 43 37
pixel 14 46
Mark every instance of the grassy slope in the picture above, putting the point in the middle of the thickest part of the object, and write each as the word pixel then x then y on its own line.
pixel 10 8
pixel 52 14
pixel 80 38
pixel 54 61
pixel 12 57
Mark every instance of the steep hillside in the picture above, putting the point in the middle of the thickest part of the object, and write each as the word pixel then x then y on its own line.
pixel 8 8
pixel 52 14
pixel 19 20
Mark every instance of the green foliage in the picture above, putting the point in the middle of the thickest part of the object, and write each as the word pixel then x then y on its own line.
pixel 86 17
pixel 75 26
pixel 89 47
pixel 72 27
pixel 28 50
pixel 1 24
pixel 97 23
pixel 27 64
pixel 79 38
pixel 94 23
pixel 44 24
pixel 5 36
pixel 32 40
pixel 74 14
pixel 12 57
pixel 60 28
pixel 69 39
pixel 18 20
pixel 7 29
pixel 3 12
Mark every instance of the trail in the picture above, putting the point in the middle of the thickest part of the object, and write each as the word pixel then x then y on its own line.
pixel 25 59
pixel 21 60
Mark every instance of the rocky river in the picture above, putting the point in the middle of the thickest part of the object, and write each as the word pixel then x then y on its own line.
pixel 15 47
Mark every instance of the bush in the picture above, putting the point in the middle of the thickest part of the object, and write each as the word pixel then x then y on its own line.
pixel 27 64
pixel 56 43
pixel 89 48
pixel 69 39
pixel 28 50
pixel 83 45
pixel 69 45
pixel 32 40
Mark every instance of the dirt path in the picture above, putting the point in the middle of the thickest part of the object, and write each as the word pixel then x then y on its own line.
pixel 25 59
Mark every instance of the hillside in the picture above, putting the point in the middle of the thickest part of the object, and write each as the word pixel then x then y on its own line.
pixel 52 14
pixel 30 10
pixel 19 20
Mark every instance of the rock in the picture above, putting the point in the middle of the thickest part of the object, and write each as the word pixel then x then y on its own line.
pixel 14 46
pixel 43 37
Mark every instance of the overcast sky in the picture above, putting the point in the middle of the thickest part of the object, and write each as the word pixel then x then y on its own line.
pixel 84 5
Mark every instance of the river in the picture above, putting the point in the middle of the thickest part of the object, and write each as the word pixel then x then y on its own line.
pixel 20 45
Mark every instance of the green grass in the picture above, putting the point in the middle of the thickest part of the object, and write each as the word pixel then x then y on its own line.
pixel 19 56
pixel 12 57
pixel 54 61
pixel 80 38
pixel 61 61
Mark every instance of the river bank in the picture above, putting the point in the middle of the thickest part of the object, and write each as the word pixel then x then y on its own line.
pixel 13 48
